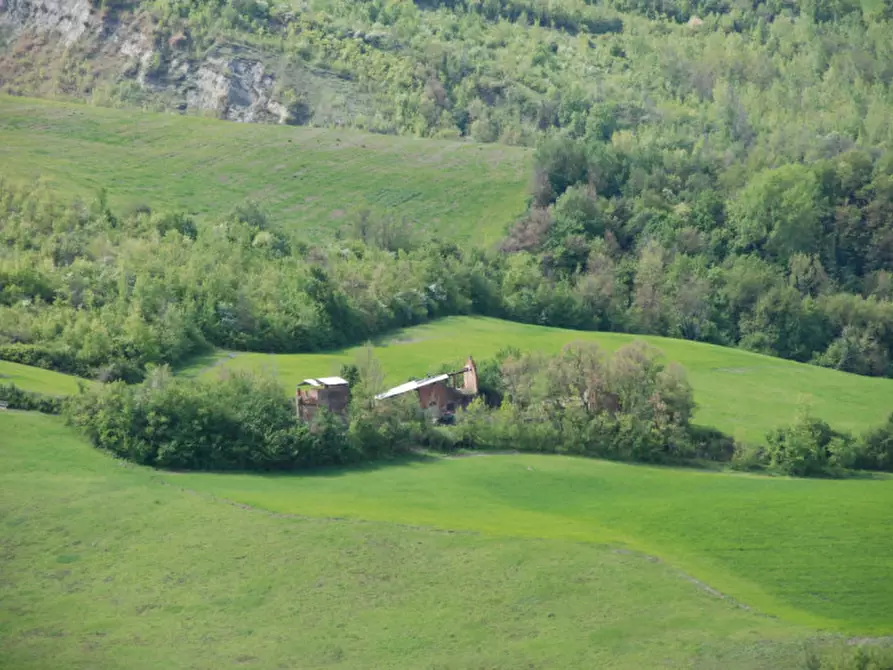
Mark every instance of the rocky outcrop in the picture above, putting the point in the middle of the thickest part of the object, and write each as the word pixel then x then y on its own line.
pixel 68 19
pixel 236 88
pixel 228 81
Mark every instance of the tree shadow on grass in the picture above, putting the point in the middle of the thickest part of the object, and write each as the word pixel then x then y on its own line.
pixel 403 460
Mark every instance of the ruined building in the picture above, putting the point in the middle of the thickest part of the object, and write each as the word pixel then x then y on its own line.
pixel 441 395
pixel 331 393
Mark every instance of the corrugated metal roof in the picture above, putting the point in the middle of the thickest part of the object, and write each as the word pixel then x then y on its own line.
pixel 411 386
pixel 324 381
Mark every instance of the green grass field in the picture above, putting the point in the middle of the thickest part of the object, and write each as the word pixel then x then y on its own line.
pixel 38 380
pixel 741 393
pixel 810 552
pixel 108 565
pixel 308 179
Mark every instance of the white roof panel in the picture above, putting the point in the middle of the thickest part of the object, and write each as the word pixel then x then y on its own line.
pixel 411 386
pixel 333 381
pixel 324 381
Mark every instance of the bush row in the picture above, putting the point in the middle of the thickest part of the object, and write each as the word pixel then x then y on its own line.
pixel 17 398
pixel 811 448
pixel 239 422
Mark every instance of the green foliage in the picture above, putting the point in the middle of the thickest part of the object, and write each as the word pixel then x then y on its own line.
pixel 808 448
pixel 639 232
pixel 149 288
pixel 875 448
pixel 629 406
pixel 651 238
pixel 764 79
pixel 17 398
pixel 240 422
pixel 779 212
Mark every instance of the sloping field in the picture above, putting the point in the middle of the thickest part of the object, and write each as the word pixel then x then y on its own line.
pixel 741 393
pixel 308 179
pixel 104 566
pixel 808 551
pixel 38 380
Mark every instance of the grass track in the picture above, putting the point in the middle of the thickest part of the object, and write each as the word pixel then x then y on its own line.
pixel 105 567
pixel 307 178
pixel 742 393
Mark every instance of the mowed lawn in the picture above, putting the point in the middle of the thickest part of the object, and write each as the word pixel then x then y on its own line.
pixel 29 378
pixel 105 566
pixel 308 179
pixel 741 393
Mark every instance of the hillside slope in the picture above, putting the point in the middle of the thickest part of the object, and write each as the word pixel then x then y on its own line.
pixel 37 380
pixel 310 180
pixel 741 393
pixel 106 566
pixel 811 552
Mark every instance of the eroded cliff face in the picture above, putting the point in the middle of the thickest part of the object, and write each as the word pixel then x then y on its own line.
pixel 238 88
pixel 67 20
pixel 70 47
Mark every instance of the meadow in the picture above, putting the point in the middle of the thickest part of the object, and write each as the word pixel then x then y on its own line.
pixel 107 565
pixel 308 179
pixel 29 378
pixel 741 393
pixel 815 553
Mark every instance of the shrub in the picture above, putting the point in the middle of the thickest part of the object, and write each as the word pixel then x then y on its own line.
pixel 808 448
pixel 875 449
pixel 712 444
pixel 17 398
pixel 240 422
pixel 629 406
pixel 749 457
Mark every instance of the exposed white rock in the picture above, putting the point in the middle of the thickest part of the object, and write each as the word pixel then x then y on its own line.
pixel 69 18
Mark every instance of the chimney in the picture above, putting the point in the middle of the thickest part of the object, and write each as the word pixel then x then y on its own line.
pixel 470 378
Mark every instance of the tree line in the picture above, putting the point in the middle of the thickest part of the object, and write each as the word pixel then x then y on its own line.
pixel 90 292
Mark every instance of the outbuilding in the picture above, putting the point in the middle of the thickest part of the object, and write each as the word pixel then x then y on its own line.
pixel 331 393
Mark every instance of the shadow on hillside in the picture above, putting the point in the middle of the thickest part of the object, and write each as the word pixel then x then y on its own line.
pixel 416 458
pixel 431 458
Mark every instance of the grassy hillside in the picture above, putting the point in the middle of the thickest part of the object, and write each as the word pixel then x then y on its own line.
pixel 35 379
pixel 308 179
pixel 104 567
pixel 811 552
pixel 742 393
